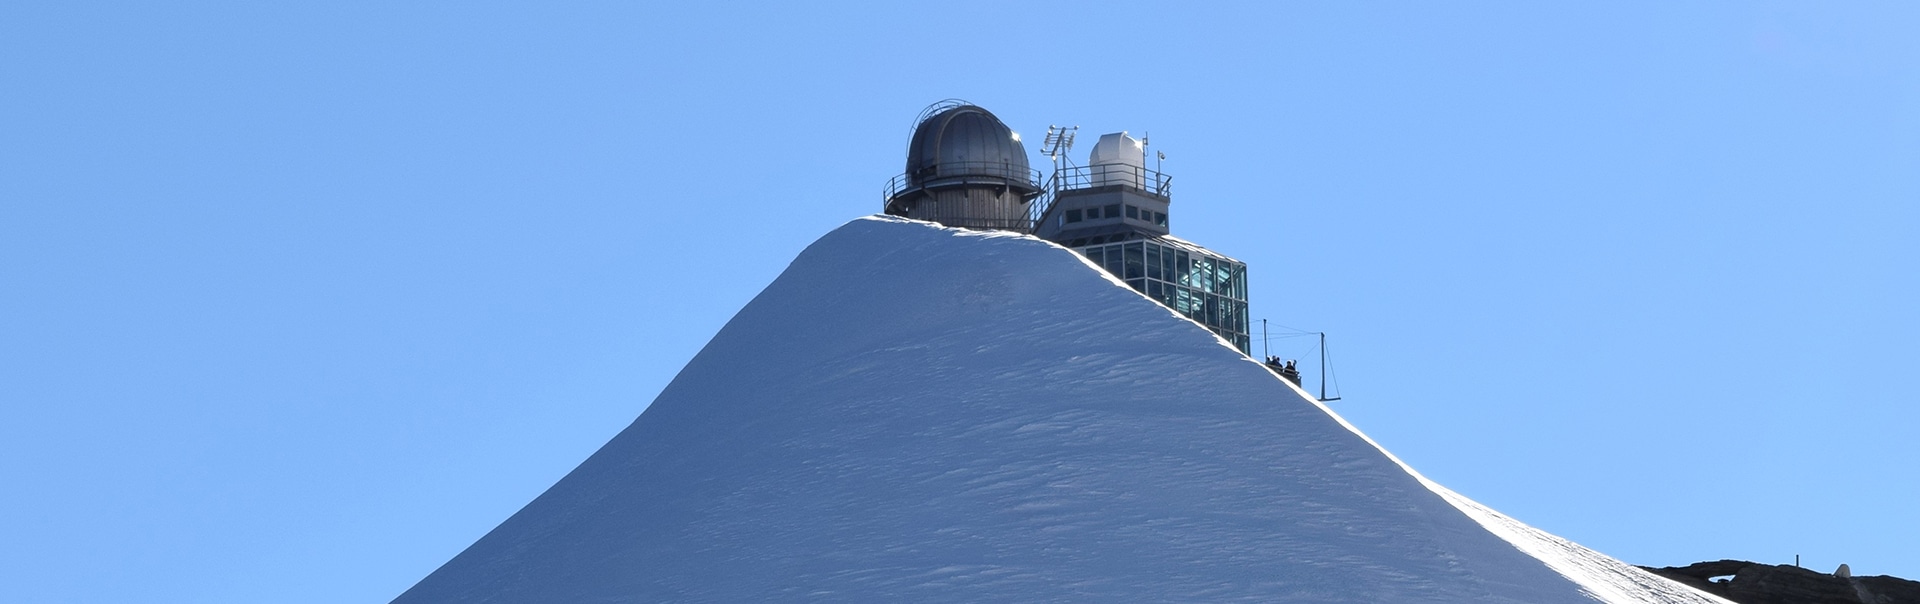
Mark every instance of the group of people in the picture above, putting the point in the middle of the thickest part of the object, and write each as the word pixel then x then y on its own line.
pixel 1286 370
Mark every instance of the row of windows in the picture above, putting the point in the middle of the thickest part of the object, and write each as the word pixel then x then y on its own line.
pixel 1221 314
pixel 1114 210
pixel 1212 291
pixel 1145 259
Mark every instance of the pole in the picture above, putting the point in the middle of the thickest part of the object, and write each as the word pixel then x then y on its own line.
pixel 1146 140
pixel 1323 365
pixel 1264 353
pixel 1323 370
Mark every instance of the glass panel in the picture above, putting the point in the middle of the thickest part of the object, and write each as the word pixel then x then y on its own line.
pixel 1093 254
pixel 1183 268
pixel 1113 210
pixel 1160 219
pixel 1153 289
pixel 1113 263
pixel 1153 262
pixel 1133 212
pixel 1228 284
pixel 1136 265
pixel 1073 215
pixel 1139 285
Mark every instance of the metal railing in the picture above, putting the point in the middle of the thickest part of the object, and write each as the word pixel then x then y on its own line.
pixel 961 172
pixel 1071 178
pixel 1074 178
pixel 1102 175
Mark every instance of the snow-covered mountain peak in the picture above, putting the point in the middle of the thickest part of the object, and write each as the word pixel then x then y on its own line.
pixel 917 413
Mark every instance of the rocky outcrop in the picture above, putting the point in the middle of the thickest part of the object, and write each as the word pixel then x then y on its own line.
pixel 1754 583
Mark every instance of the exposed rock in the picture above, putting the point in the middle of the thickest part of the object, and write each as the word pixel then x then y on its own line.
pixel 1767 584
pixel 1889 590
pixel 1753 583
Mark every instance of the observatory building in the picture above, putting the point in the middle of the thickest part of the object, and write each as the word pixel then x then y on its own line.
pixel 965 168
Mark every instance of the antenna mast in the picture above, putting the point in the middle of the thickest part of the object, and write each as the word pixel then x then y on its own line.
pixel 1323 370
pixel 1058 142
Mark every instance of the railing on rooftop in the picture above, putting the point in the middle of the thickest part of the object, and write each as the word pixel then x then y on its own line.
pixel 1103 175
pixel 962 172
pixel 1074 178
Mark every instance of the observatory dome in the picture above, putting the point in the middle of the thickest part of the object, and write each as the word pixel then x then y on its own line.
pixel 964 140
pixel 965 169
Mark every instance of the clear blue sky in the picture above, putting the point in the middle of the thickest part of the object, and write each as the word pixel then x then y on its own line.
pixel 298 301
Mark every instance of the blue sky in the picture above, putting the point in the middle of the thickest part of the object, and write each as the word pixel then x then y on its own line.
pixel 298 301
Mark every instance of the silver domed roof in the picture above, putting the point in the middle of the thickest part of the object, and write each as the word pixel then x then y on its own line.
pixel 964 140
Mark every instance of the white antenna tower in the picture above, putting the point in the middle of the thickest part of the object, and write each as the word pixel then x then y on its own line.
pixel 1058 142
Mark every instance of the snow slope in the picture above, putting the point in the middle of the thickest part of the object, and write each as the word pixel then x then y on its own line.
pixel 916 413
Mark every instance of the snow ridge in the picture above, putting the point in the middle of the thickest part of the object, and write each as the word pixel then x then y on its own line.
pixel 917 413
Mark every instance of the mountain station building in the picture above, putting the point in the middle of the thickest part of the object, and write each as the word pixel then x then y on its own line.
pixel 967 169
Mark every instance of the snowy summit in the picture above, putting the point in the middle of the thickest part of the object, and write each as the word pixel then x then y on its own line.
pixel 919 413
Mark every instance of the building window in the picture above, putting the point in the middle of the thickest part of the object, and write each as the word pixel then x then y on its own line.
pixel 1153 262
pixel 1160 219
pixel 1073 215
pixel 1209 289
pixel 1133 212
pixel 1113 210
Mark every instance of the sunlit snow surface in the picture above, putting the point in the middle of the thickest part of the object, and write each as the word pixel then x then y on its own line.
pixel 913 413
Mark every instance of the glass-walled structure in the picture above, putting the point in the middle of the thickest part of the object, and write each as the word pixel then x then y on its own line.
pixel 1206 287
